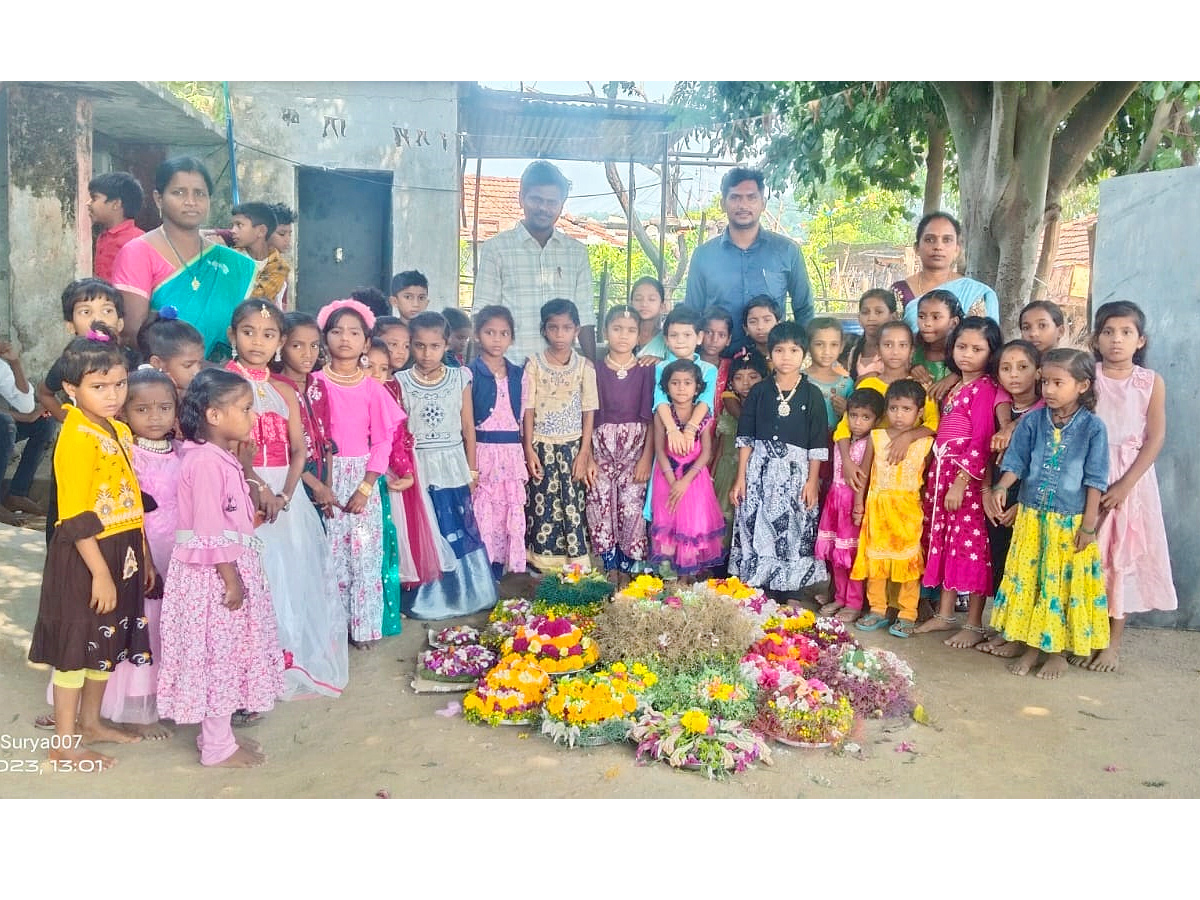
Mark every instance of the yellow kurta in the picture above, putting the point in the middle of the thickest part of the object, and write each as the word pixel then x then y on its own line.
pixel 889 545
pixel 94 473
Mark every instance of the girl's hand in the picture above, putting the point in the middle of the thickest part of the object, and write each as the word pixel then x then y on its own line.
pixel 644 361
pixel 403 483
pixel 534 465
pixel 104 594
pixel 272 505
pixel 859 512
pixel 839 403
pixel 1115 495
pixel 942 387
pixel 323 497
pixel 1082 538
pixel 1002 437
pixel 678 489
pixel 149 576
pixel 1007 517
pixel 854 475
pixel 581 469
pixel 954 496
pixel 811 495
pixel 990 512
pixel 921 374
pixel 235 595
pixel 247 450
pixel 897 450
pixel 680 442
pixel 356 504
pixel 737 493
pixel 641 474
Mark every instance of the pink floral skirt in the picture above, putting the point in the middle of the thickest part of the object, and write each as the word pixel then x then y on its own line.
pixel 499 502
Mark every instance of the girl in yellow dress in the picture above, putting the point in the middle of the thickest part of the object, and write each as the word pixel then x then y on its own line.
pixel 889 545
pixel 1052 598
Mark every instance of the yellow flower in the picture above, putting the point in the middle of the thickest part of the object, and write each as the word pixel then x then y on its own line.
pixel 695 721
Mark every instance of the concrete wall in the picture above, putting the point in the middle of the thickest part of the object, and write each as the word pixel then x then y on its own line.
pixel 1146 253
pixel 48 230
pixel 425 190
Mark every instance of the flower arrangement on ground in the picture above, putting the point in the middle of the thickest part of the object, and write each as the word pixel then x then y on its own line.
pixel 877 682
pixel 503 621
pixel 639 675
pixel 829 632
pixel 772 674
pixel 808 713
pixel 576 585
pixel 455 636
pixel 511 692
pixel 693 740
pixel 589 709
pixel 644 587
pixel 463 663
pixel 753 600
pixel 558 644
pixel 674 637
pixel 716 688
pixel 785 640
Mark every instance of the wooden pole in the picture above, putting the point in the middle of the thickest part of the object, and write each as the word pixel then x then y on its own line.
pixel 662 210
pixel 475 229
pixel 629 231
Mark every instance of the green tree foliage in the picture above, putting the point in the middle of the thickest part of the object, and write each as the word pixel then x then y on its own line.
pixel 206 96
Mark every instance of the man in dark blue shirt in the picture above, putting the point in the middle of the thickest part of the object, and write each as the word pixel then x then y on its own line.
pixel 746 260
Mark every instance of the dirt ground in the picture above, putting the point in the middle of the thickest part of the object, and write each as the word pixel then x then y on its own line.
pixel 994 735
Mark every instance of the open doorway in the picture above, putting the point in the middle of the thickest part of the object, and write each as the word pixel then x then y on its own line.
pixel 344 234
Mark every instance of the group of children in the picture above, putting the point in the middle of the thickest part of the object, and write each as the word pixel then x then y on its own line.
pixel 233 529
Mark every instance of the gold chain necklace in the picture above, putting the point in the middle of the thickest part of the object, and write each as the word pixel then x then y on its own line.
pixel 258 379
pixel 785 406
pixel 421 379
pixel 344 380
pixel 179 256
pixel 622 371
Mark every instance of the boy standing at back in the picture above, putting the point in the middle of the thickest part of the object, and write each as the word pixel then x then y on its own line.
pixel 252 225
pixel 410 294
pixel 113 200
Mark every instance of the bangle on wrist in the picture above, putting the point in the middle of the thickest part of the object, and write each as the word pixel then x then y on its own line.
pixel 364 489
pixel 1087 530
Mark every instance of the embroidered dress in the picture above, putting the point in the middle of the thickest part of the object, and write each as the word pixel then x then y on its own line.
pixel 435 420
pixel 1053 597
pixel 1000 536
pixel 957 553
pixel 725 468
pixel 689 538
pixel 499 499
pixel 216 660
pixel 774 533
pixel 310 621
pixel 842 386
pixel 615 500
pixel 837 535
pixel 362 422
pixel 314 416
pixel 930 415
pixel 559 395
pixel 1132 537
pixel 98 496
pixel 889 543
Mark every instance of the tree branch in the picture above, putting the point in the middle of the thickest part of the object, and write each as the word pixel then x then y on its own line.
pixel 1085 126
pixel 1068 95
pixel 1163 113
pixel 631 217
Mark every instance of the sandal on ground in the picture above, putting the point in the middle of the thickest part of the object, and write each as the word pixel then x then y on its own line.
pixel 833 606
pixel 902 628
pixel 243 718
pixel 45 722
pixel 871 622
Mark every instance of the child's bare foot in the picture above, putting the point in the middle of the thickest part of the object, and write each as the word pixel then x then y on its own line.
pixel 994 640
pixel 937 623
pixel 965 638
pixel 100 733
pixel 242 758
pixel 1053 667
pixel 1027 661
pixel 1009 650
pixel 1107 660
pixel 828 609
pixel 1076 660
pixel 248 743
pixel 361 645
pixel 92 761
pixel 155 731
pixel 849 614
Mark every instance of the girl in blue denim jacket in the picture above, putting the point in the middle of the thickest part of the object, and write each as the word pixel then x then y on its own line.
pixel 1052 598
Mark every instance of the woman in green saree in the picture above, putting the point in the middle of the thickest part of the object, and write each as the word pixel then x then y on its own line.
pixel 174 266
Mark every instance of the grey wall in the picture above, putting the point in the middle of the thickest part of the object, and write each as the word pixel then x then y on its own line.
pixel 425 194
pixel 1146 252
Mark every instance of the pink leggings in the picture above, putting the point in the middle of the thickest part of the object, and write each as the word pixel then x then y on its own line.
pixel 845 590
pixel 215 741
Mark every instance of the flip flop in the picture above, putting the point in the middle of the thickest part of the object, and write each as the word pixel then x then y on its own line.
pixel 902 628
pixel 45 722
pixel 244 718
pixel 871 622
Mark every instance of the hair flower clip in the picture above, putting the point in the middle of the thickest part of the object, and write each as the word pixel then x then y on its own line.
pixel 168 312
pixel 362 309
pixel 100 336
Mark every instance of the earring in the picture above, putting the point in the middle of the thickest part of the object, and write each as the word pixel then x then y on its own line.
pixel 363 361
pixel 233 351
pixel 279 355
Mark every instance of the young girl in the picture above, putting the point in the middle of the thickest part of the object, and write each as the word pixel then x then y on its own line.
pixel 394 333
pixel 171 345
pixel 889 555
pixel 825 346
pixel 309 618
pixel 875 307
pixel 648 299
pixel 441 416
pixel 150 410
pixel 1018 374
pixel 938 314
pixel 499 395
pixel 90 615
pixel 1042 324
pixel 958 560
pixel 718 329
pixel 1131 401
pixel 782 434
pixel 1052 597
pixel 759 316
pixel 362 423
pixel 220 652
pixel 557 435
pixel 378 360
pixel 686 526
pixel 842 516
pixel 297 359
pixel 744 374
pixel 623 451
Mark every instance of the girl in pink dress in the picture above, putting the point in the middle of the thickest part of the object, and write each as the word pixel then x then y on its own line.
pixel 362 423
pixel 219 649
pixel 499 397
pixel 958 559
pixel 842 516
pixel 686 523
pixel 1131 401
pixel 309 618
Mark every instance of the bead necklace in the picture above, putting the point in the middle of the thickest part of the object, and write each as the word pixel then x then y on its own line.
pixel 622 371
pixel 160 446
pixel 344 380
pixel 785 406
pixel 437 379
pixel 257 377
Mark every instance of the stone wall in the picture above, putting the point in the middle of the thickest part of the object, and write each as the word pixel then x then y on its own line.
pixel 1145 252
pixel 362 125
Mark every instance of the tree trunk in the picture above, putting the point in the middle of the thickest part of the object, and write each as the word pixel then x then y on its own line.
pixel 935 166
pixel 1051 229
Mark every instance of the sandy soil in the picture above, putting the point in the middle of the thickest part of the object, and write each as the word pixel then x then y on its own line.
pixel 1132 734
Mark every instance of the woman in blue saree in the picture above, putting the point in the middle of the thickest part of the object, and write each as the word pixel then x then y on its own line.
pixel 173 265
pixel 938 247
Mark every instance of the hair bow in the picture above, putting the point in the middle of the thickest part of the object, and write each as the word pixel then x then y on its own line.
pixel 94 335
pixel 329 309
pixel 168 312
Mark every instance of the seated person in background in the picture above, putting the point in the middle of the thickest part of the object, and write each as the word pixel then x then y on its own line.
pixel 17 425
pixel 114 198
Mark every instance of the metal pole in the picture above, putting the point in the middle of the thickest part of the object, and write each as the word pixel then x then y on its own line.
pixel 629 231
pixel 662 215
pixel 475 231
pixel 229 139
